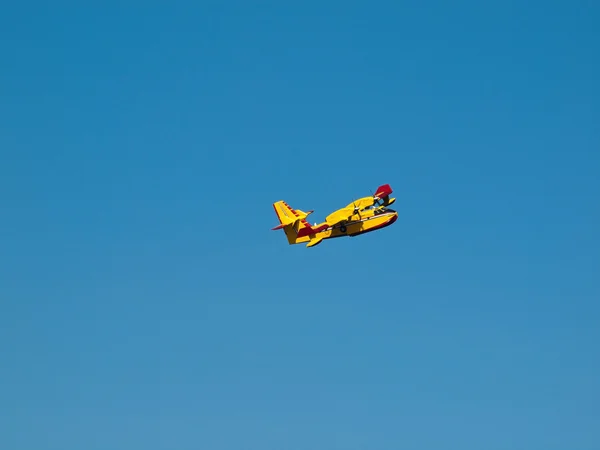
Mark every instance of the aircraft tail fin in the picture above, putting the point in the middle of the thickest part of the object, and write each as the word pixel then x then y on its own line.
pixel 287 215
pixel 293 222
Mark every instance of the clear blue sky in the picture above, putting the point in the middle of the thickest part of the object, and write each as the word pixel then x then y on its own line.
pixel 145 303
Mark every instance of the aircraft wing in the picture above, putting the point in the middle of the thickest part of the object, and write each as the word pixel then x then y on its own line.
pixel 339 215
pixel 362 203
pixel 346 213
pixel 383 191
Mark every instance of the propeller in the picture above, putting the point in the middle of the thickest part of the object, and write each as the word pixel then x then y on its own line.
pixel 351 210
pixel 356 211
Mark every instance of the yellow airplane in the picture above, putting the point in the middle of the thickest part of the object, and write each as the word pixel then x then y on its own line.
pixel 361 216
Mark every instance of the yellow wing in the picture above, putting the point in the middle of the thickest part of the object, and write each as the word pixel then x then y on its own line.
pixel 362 203
pixel 339 216
pixel 346 213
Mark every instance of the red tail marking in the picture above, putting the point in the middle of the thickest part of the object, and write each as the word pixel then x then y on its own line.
pixel 308 230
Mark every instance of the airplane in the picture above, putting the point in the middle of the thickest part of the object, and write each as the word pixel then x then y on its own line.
pixel 363 215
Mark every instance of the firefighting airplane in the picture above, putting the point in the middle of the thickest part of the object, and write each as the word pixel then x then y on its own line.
pixel 361 216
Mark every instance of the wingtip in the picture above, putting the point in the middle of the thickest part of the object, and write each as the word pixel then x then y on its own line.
pixel 383 190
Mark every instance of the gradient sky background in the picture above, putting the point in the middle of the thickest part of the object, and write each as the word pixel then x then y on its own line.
pixel 145 303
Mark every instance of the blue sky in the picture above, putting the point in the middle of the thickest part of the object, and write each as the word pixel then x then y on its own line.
pixel 145 303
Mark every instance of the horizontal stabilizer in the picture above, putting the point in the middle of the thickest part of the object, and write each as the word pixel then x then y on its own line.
pixel 302 214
